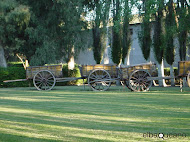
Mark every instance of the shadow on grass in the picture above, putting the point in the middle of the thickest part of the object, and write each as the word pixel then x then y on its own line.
pixel 79 115
pixel 20 138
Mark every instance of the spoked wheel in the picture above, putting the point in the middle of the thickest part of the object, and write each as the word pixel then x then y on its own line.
pixel 44 80
pixel 99 80
pixel 138 80
pixel 188 79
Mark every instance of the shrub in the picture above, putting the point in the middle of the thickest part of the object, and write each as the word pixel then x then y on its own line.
pixel 70 73
pixel 13 73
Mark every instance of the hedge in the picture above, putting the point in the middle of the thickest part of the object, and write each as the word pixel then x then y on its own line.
pixel 12 73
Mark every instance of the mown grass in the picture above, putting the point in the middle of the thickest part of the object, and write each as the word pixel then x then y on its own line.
pixel 71 113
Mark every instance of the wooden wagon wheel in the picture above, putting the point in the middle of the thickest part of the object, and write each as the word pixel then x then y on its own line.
pixel 99 80
pixel 138 80
pixel 188 79
pixel 44 80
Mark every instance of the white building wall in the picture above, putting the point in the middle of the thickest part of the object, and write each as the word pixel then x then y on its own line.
pixel 136 56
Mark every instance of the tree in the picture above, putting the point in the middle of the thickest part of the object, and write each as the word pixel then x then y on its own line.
pixel 3 62
pixel 158 40
pixel 171 30
pixel 126 39
pixel 72 25
pixel 97 47
pixel 40 33
pixel 14 19
pixel 54 30
pixel 183 21
pixel 145 33
pixel 116 43
pixel 99 19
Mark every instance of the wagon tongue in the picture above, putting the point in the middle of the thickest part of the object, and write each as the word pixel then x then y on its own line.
pixel 7 81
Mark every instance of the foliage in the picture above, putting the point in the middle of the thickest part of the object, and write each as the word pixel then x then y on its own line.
pixel 126 38
pixel 117 31
pixel 97 48
pixel 12 73
pixel 159 36
pixel 145 39
pixel 71 73
pixel 100 20
pixel 71 23
pixel 46 31
pixel 183 22
pixel 145 33
pixel 14 19
pixel 33 27
pixel 44 55
pixel 121 12
pixel 171 31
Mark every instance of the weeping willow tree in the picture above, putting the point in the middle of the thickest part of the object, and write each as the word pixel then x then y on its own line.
pixel 171 29
pixel 145 33
pixel 158 40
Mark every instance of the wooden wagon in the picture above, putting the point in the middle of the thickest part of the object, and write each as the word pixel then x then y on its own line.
pixel 100 76
pixel 44 77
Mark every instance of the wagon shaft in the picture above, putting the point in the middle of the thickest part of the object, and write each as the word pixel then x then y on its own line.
pixel 17 80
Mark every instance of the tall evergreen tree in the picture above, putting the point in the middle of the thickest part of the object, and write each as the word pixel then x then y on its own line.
pixel 183 21
pixel 126 35
pixel 171 30
pixel 145 33
pixel 100 19
pixel 116 45
pixel 158 39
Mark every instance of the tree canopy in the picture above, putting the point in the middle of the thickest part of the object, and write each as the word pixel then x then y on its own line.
pixel 47 31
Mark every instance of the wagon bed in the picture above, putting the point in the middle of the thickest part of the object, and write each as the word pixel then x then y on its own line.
pixel 56 70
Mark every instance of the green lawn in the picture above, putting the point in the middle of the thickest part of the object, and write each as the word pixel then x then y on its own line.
pixel 70 113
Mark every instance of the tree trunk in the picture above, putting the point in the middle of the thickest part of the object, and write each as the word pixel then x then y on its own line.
pixel 127 59
pixel 3 62
pixel 161 74
pixel 71 63
pixel 172 75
